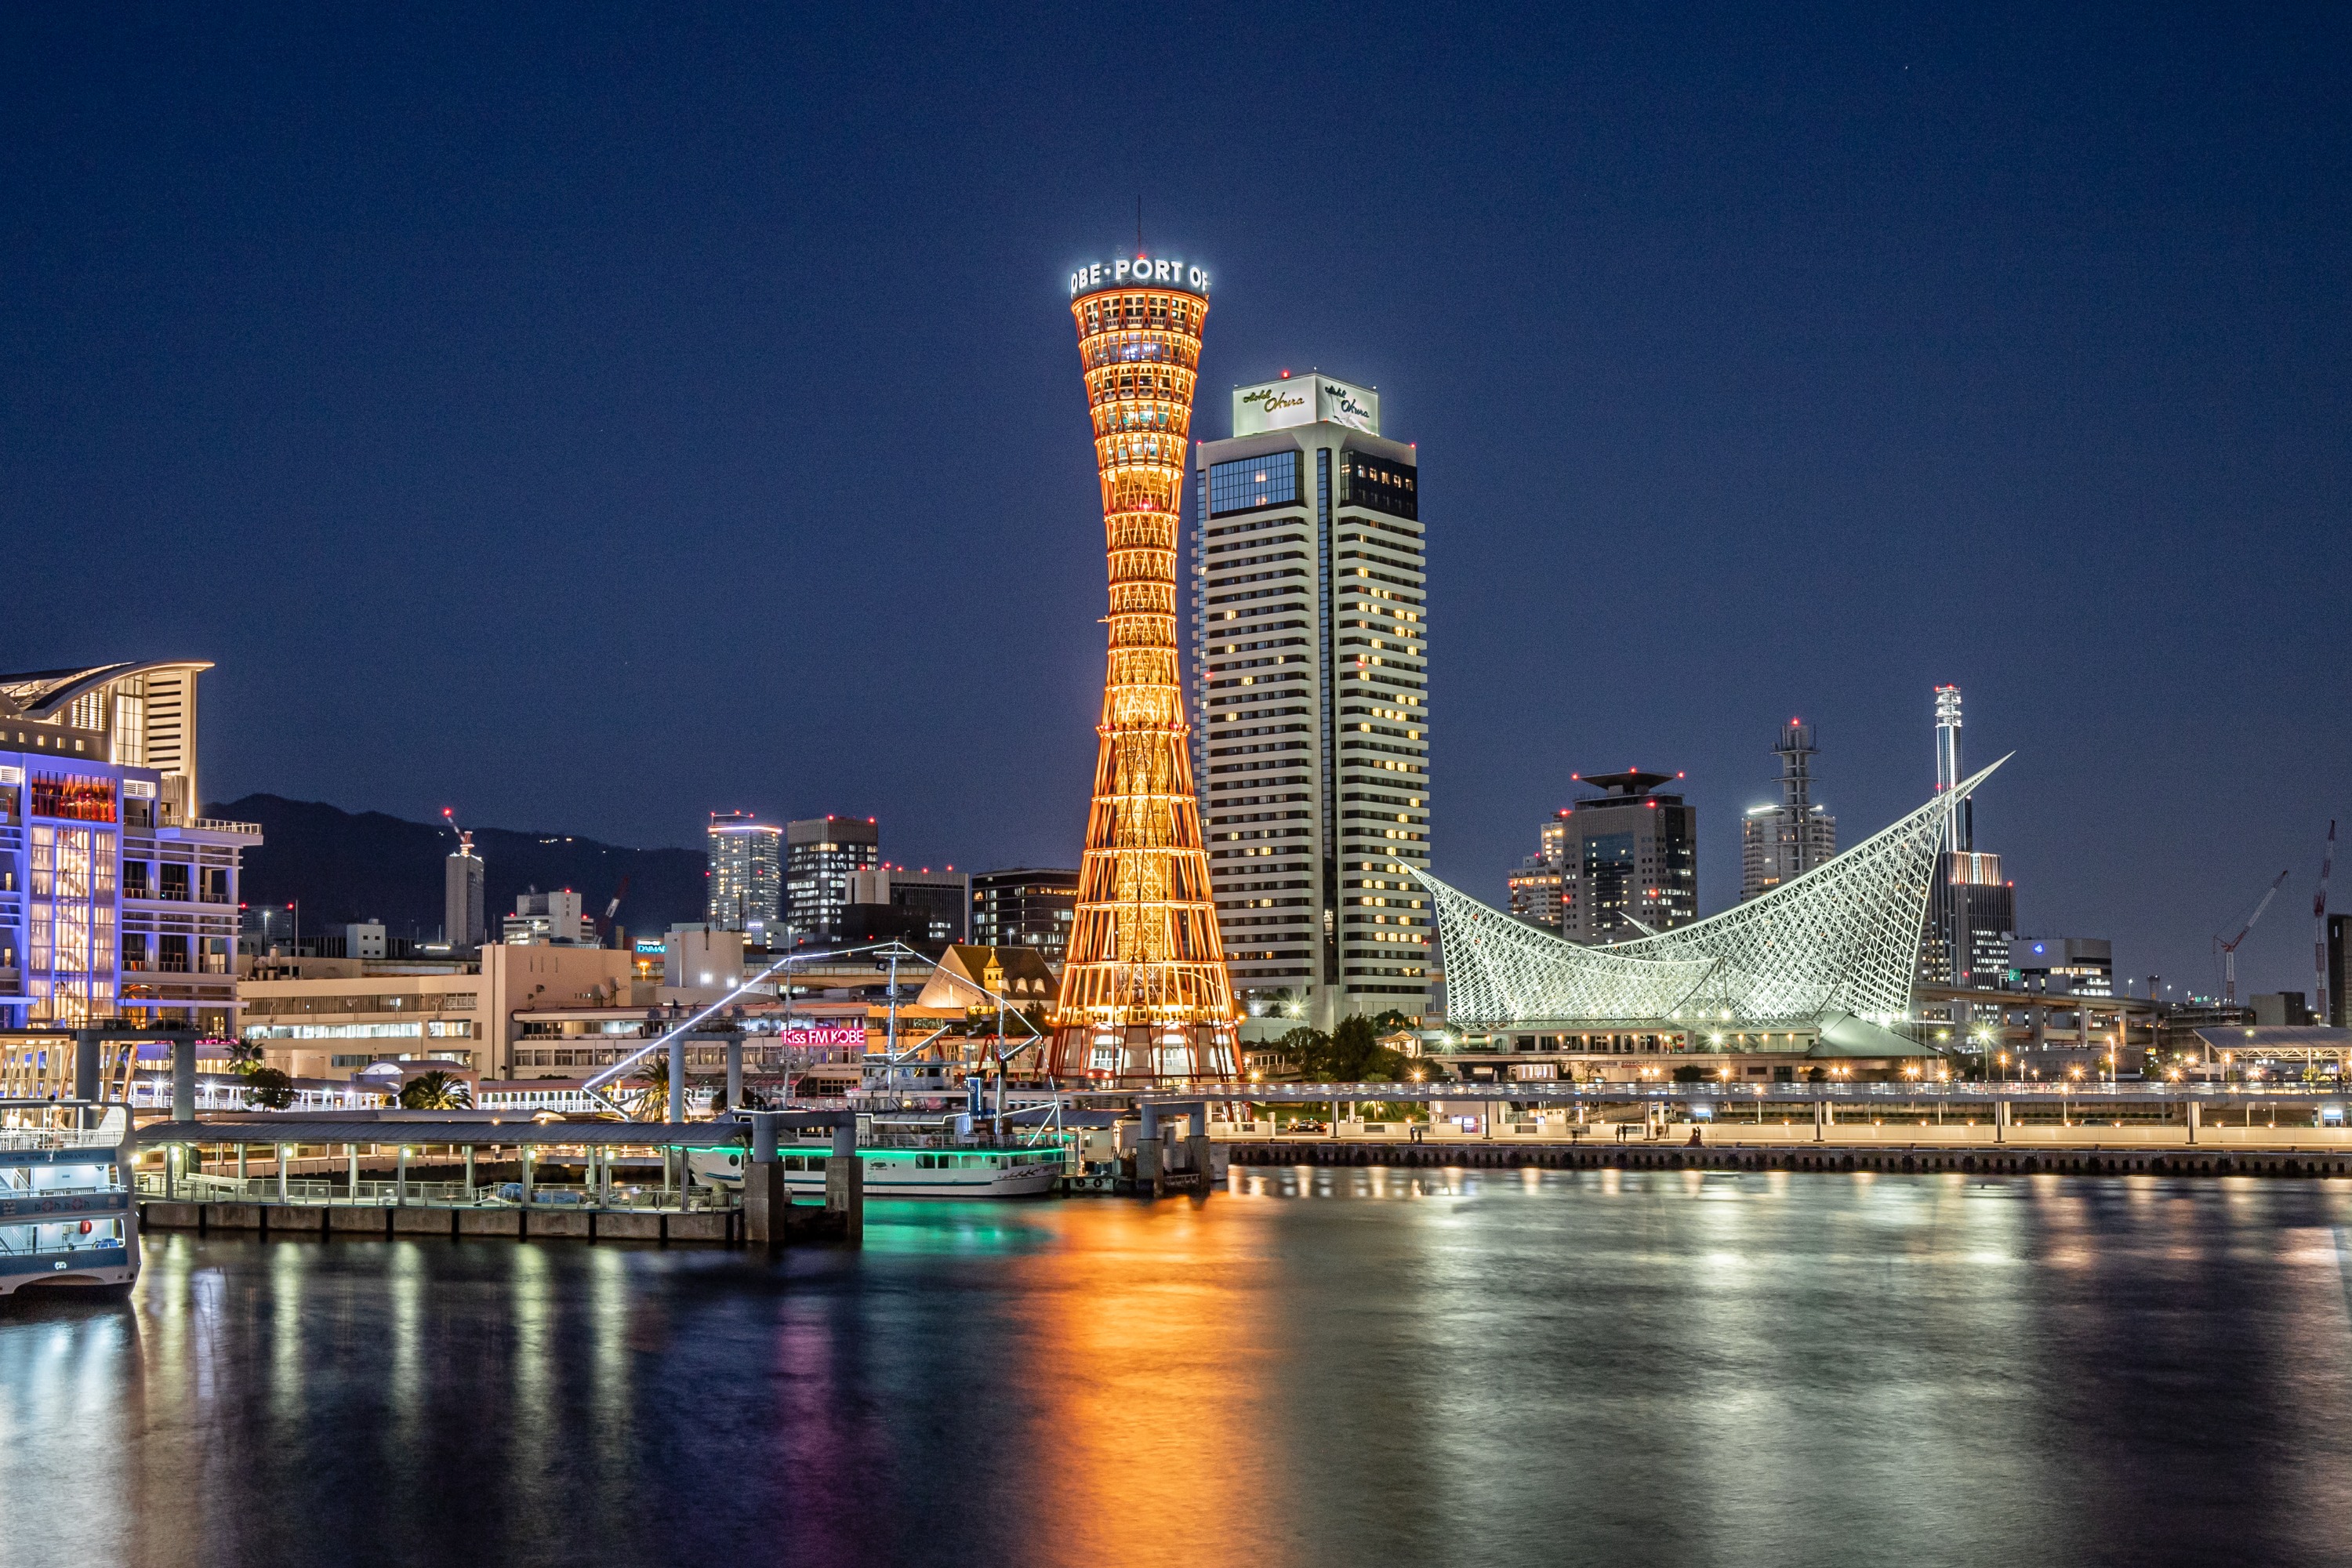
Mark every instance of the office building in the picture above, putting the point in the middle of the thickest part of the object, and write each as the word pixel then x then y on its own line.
pixel 1145 993
pixel 260 930
pixel 939 900
pixel 747 876
pixel 1535 890
pixel 2339 970
pixel 821 854
pixel 1629 859
pixel 2062 966
pixel 1025 906
pixel 1778 842
pixel 464 923
pixel 550 920
pixel 1311 657
pixel 2281 1010
pixel 1538 885
pixel 702 962
pixel 117 900
pixel 335 1017
pixel 1971 911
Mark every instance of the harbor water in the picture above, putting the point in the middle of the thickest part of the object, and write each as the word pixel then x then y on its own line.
pixel 1345 1366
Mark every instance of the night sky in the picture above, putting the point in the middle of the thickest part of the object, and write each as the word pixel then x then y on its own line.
pixel 587 420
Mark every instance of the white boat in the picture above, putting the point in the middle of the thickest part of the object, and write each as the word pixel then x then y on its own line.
pixel 66 1215
pixel 961 1171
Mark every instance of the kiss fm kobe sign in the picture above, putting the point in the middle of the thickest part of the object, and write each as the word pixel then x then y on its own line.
pixel 1139 272
pixel 1304 400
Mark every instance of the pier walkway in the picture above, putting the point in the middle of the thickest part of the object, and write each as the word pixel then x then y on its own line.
pixel 1886 1158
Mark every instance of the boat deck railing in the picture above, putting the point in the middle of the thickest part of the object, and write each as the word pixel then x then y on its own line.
pixel 45 1138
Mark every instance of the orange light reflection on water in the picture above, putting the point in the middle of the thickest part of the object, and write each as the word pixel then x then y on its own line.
pixel 1158 1401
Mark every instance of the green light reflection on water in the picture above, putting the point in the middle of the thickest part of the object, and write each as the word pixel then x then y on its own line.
pixel 980 1226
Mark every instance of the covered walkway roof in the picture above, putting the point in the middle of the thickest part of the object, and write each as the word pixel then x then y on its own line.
pixel 478 1131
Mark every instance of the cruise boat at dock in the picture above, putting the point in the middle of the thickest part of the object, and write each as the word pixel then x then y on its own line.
pixel 65 1214
pixel 914 1155
pixel 983 1170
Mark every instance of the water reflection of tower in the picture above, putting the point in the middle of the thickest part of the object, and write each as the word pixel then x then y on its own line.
pixel 1145 991
pixel 1971 911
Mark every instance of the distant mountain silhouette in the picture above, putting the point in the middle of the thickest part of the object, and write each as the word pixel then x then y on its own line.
pixel 345 866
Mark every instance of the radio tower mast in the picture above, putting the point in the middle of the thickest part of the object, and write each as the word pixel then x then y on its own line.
pixel 2319 928
pixel 1962 834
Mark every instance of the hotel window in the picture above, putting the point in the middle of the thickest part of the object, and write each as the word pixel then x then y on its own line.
pixel 130 722
pixel 1379 484
pixel 1248 483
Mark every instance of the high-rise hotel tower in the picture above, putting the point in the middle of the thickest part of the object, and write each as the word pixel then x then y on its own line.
pixel 1145 995
pixel 1311 652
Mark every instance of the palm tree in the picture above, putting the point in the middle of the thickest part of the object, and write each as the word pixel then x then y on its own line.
pixel 435 1090
pixel 653 1093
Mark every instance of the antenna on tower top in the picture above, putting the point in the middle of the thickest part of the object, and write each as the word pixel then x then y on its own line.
pixel 1138 225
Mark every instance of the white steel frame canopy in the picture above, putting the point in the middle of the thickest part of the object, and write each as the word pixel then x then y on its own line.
pixel 1842 938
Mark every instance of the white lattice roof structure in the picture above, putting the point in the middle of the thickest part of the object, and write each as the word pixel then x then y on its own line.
pixel 1844 938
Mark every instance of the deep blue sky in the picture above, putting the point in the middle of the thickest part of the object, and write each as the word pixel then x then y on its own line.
pixel 587 420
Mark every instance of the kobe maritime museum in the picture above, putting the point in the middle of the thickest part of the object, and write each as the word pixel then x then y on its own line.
pixel 1821 967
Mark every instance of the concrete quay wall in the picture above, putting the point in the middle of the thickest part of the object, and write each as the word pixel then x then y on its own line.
pixel 722 1227
pixel 1829 1157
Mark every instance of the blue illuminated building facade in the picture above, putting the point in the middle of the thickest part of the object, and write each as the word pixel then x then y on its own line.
pixel 117 900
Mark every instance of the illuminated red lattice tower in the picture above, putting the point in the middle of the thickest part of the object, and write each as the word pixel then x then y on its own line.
pixel 1145 993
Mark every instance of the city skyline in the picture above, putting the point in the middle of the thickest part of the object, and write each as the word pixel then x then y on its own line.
pixel 1882 336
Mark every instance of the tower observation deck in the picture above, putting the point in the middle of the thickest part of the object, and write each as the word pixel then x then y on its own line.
pixel 1145 993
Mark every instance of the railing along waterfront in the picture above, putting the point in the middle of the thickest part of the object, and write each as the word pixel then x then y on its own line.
pixel 1539 1088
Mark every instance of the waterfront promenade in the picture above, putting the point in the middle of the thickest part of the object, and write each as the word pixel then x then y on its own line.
pixel 2026 1116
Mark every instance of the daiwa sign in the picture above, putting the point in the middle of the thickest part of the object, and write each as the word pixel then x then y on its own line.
pixel 1138 271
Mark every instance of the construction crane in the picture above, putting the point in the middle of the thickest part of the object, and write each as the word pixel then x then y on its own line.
pixel 2319 929
pixel 615 906
pixel 464 839
pixel 2229 949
